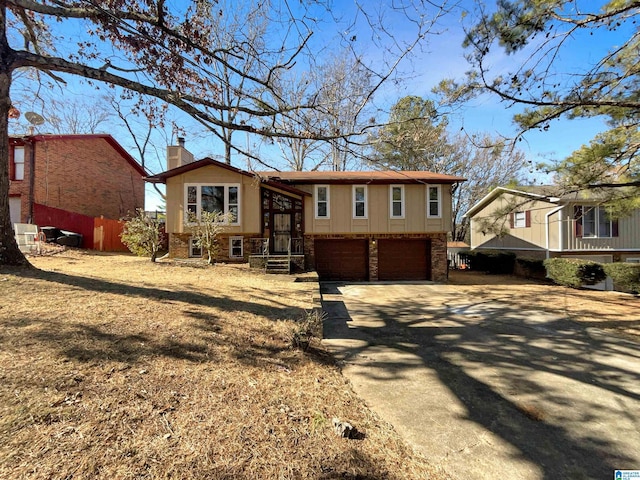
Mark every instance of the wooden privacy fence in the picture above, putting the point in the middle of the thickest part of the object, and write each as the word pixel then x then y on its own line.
pixel 101 233
pixel 106 235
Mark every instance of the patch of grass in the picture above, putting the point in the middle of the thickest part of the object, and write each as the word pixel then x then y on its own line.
pixel 531 411
pixel 114 367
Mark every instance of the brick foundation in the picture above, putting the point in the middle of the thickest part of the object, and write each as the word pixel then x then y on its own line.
pixel 179 247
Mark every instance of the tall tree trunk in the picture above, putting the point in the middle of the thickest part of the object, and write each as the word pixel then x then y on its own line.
pixel 10 254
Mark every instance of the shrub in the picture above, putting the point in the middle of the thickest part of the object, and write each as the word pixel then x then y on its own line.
pixel 142 235
pixel 573 272
pixel 206 231
pixel 307 329
pixel 490 262
pixel 625 276
pixel 531 267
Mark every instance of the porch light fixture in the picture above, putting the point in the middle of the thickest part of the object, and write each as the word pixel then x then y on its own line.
pixel 373 242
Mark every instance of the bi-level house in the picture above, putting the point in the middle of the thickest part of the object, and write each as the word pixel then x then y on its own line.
pixel 539 222
pixel 364 225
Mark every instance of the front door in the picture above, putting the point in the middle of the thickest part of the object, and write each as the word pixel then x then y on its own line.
pixel 281 232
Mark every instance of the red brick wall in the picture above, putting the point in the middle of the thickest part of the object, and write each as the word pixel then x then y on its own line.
pixel 86 176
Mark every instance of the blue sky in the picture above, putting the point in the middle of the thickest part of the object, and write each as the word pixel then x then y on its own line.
pixel 440 56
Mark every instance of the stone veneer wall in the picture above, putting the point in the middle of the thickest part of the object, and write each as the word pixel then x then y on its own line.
pixel 439 269
pixel 179 247
pixel 297 262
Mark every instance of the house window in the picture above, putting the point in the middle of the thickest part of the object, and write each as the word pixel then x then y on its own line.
pixel 632 260
pixel 397 201
pixel 520 219
pixel 194 249
pixel 236 247
pixel 433 201
pixel 322 201
pixel 223 198
pixel 359 201
pixel 18 163
pixel 594 222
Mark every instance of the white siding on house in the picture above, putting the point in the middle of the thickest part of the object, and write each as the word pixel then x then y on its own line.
pixel 628 234
pixel 15 209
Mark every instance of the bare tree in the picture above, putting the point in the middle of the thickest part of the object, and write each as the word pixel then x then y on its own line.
pixel 169 53
pixel 299 153
pixel 417 138
pixel 486 162
pixel 344 92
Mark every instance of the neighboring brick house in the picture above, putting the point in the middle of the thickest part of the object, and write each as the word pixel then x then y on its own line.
pixel 81 174
pixel 364 225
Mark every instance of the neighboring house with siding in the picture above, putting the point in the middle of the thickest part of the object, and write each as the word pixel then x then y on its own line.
pixel 347 225
pixel 82 174
pixel 537 222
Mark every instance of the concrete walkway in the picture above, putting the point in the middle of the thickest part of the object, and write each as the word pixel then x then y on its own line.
pixel 489 390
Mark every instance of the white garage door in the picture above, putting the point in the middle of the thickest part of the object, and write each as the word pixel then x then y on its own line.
pixel 14 209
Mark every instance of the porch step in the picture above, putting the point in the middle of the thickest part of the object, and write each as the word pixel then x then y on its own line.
pixel 278 265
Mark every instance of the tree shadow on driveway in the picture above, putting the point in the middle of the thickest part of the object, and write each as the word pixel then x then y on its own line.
pixel 559 394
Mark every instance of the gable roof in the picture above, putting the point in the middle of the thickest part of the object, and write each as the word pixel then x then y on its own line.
pixel 362 177
pixel 545 193
pixel 93 136
pixel 542 193
pixel 205 162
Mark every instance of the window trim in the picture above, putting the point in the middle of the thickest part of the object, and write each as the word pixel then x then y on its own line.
pixel 192 246
pixel 365 202
pixel 513 223
pixel 439 201
pixel 519 220
pixel 316 202
pixel 198 203
pixel 391 202
pixel 15 176
pixel 241 239
pixel 580 213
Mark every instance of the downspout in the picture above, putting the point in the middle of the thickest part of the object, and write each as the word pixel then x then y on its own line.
pixel 546 228
pixel 32 177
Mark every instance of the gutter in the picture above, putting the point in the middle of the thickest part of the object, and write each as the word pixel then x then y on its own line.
pixel 546 228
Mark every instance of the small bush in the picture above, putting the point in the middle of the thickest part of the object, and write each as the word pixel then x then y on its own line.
pixel 206 230
pixel 142 236
pixel 625 276
pixel 531 267
pixel 573 272
pixel 307 329
pixel 490 262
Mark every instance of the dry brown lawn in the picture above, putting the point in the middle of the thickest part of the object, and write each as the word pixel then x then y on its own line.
pixel 613 311
pixel 113 367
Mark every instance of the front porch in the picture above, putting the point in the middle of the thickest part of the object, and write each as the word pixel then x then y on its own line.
pixel 290 261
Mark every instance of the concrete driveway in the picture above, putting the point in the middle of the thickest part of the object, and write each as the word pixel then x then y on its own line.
pixel 489 390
